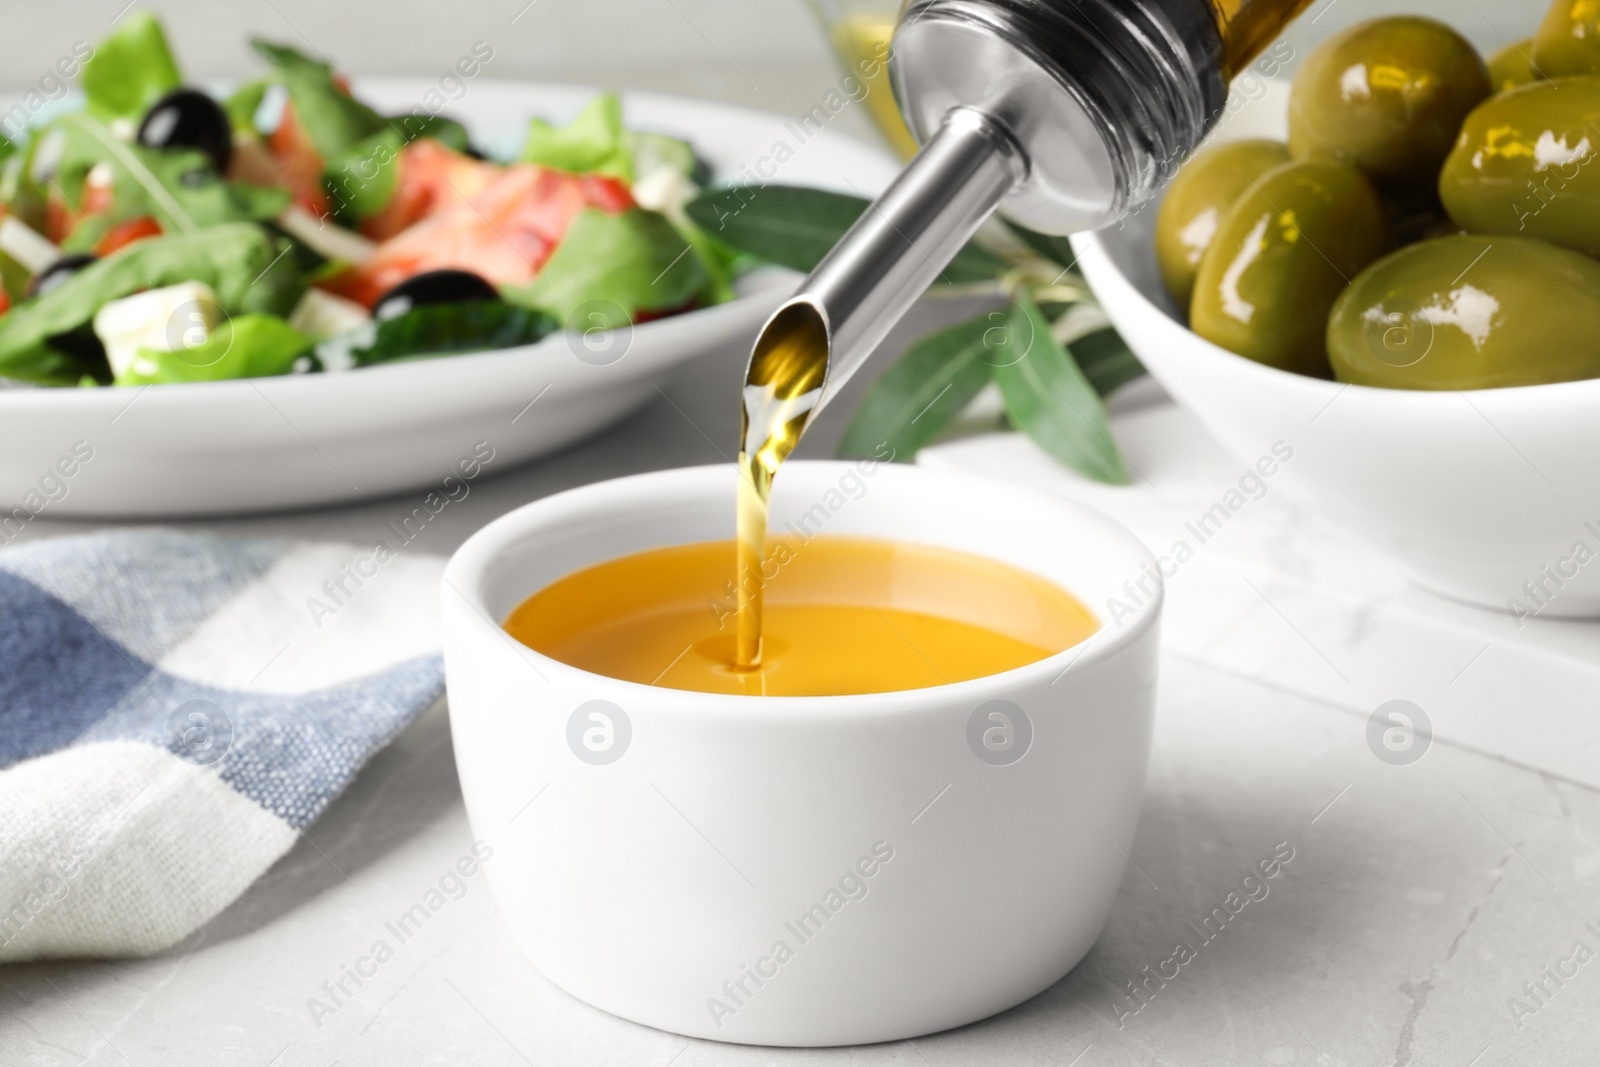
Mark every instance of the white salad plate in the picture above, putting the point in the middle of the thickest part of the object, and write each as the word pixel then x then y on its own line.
pixel 271 443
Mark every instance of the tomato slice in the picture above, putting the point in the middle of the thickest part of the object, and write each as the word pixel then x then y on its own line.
pixel 429 176
pixel 62 220
pixel 126 233
pixel 644 315
pixel 5 301
pixel 96 195
pixel 503 232
pixel 302 164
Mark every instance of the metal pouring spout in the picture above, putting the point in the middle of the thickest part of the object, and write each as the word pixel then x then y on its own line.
pixel 1064 115
pixel 898 248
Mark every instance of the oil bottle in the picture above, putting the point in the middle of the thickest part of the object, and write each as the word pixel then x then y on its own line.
pixel 1062 114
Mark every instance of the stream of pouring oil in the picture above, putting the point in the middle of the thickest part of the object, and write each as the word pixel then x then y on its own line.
pixel 781 390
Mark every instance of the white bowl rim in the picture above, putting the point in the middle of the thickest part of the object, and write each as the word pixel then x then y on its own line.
pixel 466 568
pixel 1582 390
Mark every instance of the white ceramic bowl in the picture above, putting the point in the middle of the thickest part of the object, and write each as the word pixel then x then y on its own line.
pixel 1483 495
pixel 268 443
pixel 644 884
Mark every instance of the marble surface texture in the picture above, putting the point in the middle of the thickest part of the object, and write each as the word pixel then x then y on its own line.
pixel 1422 920
pixel 1419 900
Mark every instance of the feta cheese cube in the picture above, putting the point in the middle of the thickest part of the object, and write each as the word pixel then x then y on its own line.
pixel 174 318
pixel 321 314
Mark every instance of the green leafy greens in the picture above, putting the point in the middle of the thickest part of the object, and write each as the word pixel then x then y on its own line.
pixel 129 70
pixel 177 188
pixel 252 345
pixel 596 142
pixel 249 269
pixel 333 119
pixel 635 261
pixel 593 143
pixel 442 329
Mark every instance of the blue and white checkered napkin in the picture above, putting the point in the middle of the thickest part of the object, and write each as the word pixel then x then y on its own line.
pixel 175 709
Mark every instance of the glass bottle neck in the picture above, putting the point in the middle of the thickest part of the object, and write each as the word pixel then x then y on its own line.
pixel 1105 97
pixel 1248 26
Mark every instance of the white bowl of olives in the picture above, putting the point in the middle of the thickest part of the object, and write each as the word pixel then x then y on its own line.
pixel 1405 294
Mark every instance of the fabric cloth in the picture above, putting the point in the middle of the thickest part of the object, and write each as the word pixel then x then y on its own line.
pixel 176 708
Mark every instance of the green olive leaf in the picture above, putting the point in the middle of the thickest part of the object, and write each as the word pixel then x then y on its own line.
pixel 795 227
pixel 1106 360
pixel 1048 397
pixel 931 384
pixel 1057 250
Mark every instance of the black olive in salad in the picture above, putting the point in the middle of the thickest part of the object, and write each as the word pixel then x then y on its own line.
pixel 58 272
pixel 86 348
pixel 189 118
pixel 433 287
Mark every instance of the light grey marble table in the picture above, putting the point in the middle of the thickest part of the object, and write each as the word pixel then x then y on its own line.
pixel 1421 905
pixel 1418 901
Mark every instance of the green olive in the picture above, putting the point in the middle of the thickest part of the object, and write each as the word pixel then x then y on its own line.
pixel 1282 254
pixel 1469 312
pixel 1388 96
pixel 1512 66
pixel 1525 165
pixel 1567 42
pixel 1205 187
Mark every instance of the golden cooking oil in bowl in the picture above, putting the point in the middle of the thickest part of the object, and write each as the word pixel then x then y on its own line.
pixel 659 848
pixel 843 616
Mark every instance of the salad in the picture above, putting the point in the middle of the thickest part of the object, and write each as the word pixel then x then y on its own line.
pixel 164 234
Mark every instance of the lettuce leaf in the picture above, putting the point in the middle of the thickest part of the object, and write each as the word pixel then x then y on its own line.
pixel 129 70
pixel 242 104
pixel 444 329
pixel 597 143
pixel 177 188
pixel 636 261
pixel 447 132
pixel 358 146
pixel 362 178
pixel 253 345
pixel 43 364
pixel 592 143
pixel 333 119
pixel 249 269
